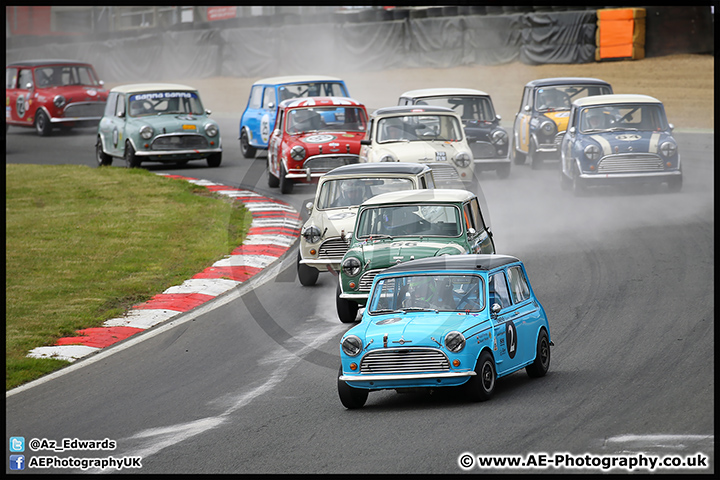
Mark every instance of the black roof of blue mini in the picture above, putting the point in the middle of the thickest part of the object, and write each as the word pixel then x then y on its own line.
pixel 544 82
pixel 411 109
pixel 35 63
pixel 403 168
pixel 454 262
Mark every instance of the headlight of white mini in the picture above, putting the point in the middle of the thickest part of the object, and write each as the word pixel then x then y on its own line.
pixel 211 129
pixel 668 149
pixel 592 152
pixel 548 127
pixel 312 234
pixel 351 345
pixel 351 266
pixel 455 341
pixel 297 153
pixel 388 158
pixel 499 137
pixel 146 132
pixel 462 159
pixel 59 101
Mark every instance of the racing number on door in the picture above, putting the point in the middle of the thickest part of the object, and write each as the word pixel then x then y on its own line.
pixel 511 338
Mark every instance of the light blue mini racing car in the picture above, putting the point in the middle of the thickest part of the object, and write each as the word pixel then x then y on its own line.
pixel 449 321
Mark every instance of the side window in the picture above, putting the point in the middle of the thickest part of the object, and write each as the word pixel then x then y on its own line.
pixel 269 98
pixel 423 184
pixel 477 215
pixel 528 98
pixel 25 78
pixel 279 120
pixel 518 284
pixel 430 180
pixel 110 104
pixel 498 290
pixel 120 110
pixel 11 76
pixel 256 97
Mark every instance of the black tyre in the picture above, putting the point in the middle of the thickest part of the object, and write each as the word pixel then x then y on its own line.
pixel 481 387
pixel 286 184
pixel 533 157
pixel 214 160
pixel 247 150
pixel 578 184
pixel 503 171
pixel 307 275
pixel 346 309
pixel 565 182
pixel 351 397
pixel 131 160
pixel 518 158
pixel 273 181
pixel 541 364
pixel 675 184
pixel 103 159
pixel 42 124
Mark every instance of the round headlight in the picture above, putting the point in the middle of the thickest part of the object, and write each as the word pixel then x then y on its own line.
pixel 548 127
pixel 59 101
pixel 351 266
pixel 351 345
pixel 455 341
pixel 668 149
pixel 462 160
pixel 312 234
pixel 499 137
pixel 211 129
pixel 297 153
pixel 388 158
pixel 146 132
pixel 592 152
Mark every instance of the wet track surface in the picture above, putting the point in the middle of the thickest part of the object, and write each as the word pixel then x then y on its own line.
pixel 249 386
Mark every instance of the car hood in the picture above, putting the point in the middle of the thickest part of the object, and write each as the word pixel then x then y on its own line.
pixel 560 118
pixel 323 142
pixel 335 220
pixel 76 93
pixel 421 152
pixel 384 253
pixel 629 141
pixel 414 328
pixel 172 123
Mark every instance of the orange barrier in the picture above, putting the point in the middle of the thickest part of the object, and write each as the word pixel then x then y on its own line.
pixel 620 34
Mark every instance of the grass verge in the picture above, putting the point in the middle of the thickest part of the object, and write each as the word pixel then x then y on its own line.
pixel 83 245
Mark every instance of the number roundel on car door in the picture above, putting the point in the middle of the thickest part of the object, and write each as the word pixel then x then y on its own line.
pixel 511 338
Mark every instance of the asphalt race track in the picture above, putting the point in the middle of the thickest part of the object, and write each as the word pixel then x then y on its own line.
pixel 249 386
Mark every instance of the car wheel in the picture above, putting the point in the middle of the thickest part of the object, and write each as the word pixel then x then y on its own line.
pixel 42 124
pixel 565 182
pixel 103 159
pixel 273 181
pixel 306 274
pixel 517 157
pixel 541 364
pixel 481 386
pixel 131 160
pixel 286 185
pixel 504 171
pixel 535 160
pixel 247 150
pixel 578 184
pixel 214 160
pixel 675 184
pixel 351 397
pixel 346 309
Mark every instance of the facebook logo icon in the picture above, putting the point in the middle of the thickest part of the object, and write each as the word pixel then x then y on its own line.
pixel 17 462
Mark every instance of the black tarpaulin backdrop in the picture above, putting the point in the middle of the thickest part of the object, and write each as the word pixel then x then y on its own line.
pixel 440 42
